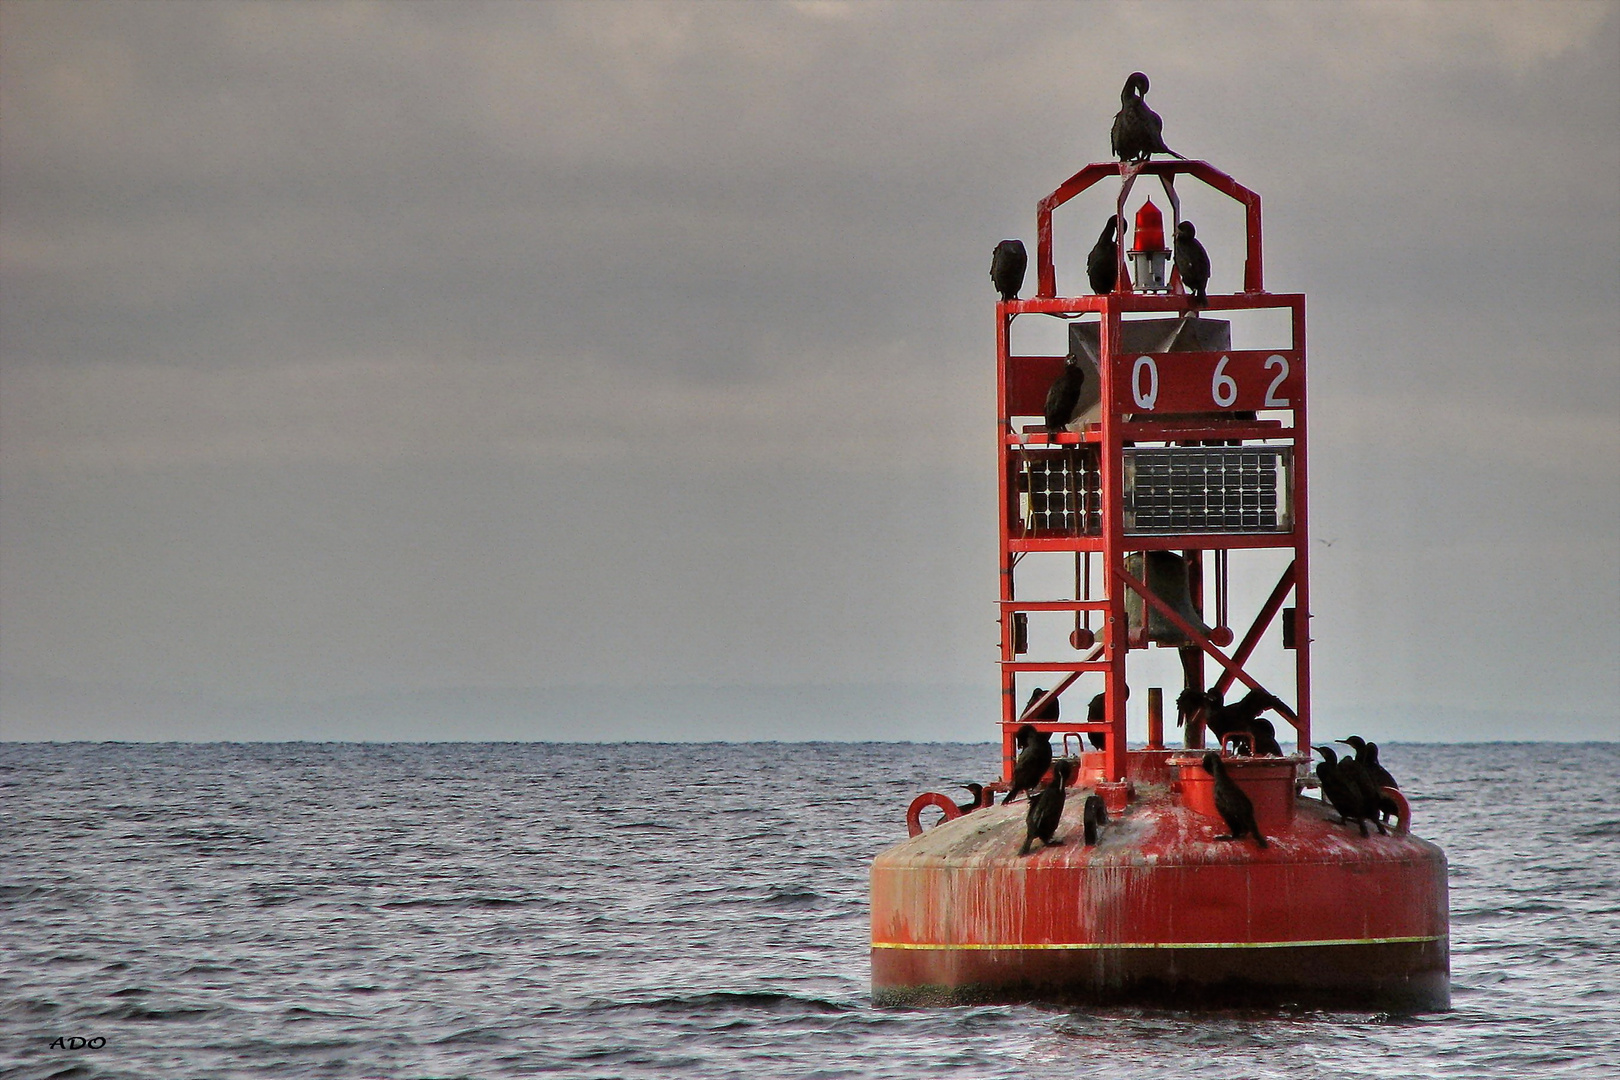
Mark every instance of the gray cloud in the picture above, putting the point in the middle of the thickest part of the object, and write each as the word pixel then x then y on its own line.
pixel 498 259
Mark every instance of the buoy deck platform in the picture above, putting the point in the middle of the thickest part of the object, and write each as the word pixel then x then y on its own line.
pixel 1161 912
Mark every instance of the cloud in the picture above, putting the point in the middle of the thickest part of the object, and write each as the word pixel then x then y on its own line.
pixel 253 254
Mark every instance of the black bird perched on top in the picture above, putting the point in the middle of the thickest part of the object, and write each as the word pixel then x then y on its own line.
pixel 1063 396
pixel 1230 802
pixel 1032 761
pixel 1340 793
pixel 1007 266
pixel 1102 265
pixel 1265 738
pixel 1095 714
pixel 1193 262
pixel 1138 131
pixel 1096 816
pixel 1046 809
pixel 977 791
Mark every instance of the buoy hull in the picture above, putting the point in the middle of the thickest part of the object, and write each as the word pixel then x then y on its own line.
pixel 1160 911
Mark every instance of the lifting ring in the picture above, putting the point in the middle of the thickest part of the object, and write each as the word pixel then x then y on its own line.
pixel 926 799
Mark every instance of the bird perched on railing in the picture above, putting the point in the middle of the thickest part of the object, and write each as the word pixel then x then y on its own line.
pixel 1221 719
pixel 1367 758
pixel 1049 711
pixel 1063 396
pixel 1096 713
pixel 1102 265
pixel 1007 266
pixel 1339 791
pixel 1138 131
pixel 1265 738
pixel 1046 809
pixel 1034 758
pixel 1231 803
pixel 1193 263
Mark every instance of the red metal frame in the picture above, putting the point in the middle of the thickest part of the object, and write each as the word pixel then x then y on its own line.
pixel 1020 379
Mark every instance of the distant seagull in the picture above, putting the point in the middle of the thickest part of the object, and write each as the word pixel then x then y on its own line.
pixel 1007 266
pixel 1193 262
pixel 1102 265
pixel 1137 133
pixel 1329 543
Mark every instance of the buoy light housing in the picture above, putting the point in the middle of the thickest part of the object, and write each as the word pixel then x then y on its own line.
pixel 1149 256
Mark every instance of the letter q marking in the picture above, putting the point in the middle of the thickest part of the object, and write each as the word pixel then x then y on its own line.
pixel 1145 399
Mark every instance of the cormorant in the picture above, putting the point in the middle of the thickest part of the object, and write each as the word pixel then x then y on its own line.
pixel 1265 738
pixel 1338 790
pixel 977 790
pixel 1352 773
pixel 1367 758
pixel 1063 396
pixel 1096 713
pixel 1234 806
pixel 1096 816
pixel 1188 702
pixel 1050 712
pixel 1007 267
pixel 1102 265
pixel 1222 720
pixel 1193 262
pixel 1032 761
pixel 1046 809
pixel 1138 131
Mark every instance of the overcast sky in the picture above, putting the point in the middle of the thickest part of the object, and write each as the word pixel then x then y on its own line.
pixel 626 370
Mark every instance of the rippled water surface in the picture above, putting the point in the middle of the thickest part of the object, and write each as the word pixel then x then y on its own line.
pixel 464 910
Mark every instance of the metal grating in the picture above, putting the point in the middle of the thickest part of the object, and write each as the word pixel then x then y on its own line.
pixel 1213 489
pixel 1060 494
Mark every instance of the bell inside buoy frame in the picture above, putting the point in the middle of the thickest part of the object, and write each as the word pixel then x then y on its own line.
pixel 1167 578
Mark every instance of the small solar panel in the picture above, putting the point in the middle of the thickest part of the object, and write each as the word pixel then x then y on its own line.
pixel 1214 489
pixel 1061 494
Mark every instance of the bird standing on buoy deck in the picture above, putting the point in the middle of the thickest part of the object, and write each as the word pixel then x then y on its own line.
pixel 977 791
pixel 1367 758
pixel 1007 265
pixel 1033 760
pixel 1230 802
pixel 1095 817
pixel 1193 263
pixel 1102 265
pixel 1340 793
pixel 1046 809
pixel 1138 131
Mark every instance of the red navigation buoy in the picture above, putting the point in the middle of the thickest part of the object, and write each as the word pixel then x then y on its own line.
pixel 1197 445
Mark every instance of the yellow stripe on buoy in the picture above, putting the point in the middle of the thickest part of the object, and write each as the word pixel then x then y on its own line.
pixel 1168 944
